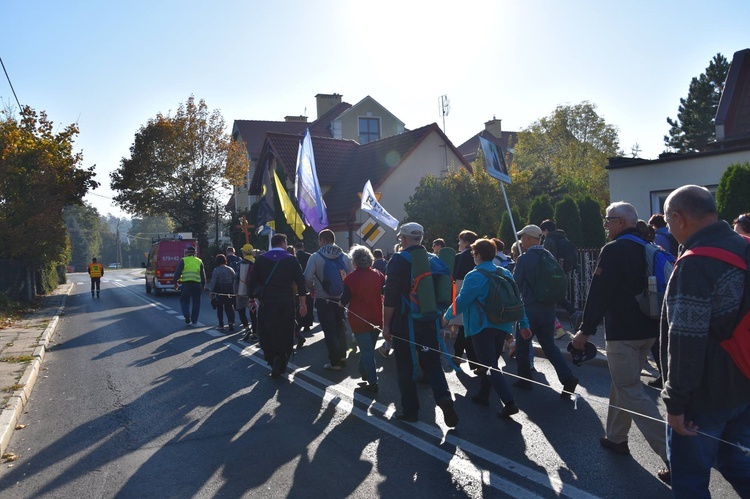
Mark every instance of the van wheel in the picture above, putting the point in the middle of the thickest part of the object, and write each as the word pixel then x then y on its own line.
pixel 148 288
pixel 157 291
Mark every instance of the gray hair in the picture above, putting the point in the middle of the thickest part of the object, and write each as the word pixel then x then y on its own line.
pixel 361 256
pixel 624 210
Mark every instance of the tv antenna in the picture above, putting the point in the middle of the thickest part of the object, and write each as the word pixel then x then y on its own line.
pixel 445 108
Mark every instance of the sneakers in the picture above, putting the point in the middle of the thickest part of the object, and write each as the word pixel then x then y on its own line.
pixel 367 387
pixel 621 448
pixel 220 327
pixel 331 367
pixel 231 327
pixel 508 411
pixel 187 319
pixel 449 413
pixel 569 387
pixel 385 352
pixel 560 332
pixel 665 475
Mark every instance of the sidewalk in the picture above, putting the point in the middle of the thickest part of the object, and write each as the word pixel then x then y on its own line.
pixel 22 348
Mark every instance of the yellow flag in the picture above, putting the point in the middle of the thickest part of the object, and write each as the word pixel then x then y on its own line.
pixel 291 215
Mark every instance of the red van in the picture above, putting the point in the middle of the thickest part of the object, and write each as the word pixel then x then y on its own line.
pixel 162 262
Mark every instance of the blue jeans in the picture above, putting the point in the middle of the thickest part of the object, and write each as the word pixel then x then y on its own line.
pixel 691 458
pixel 429 361
pixel 366 342
pixel 331 317
pixel 190 292
pixel 488 345
pixel 542 325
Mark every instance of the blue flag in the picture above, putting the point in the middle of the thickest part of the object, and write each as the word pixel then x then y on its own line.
pixel 307 189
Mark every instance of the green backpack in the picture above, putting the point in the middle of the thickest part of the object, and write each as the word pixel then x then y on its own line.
pixel 550 281
pixel 503 303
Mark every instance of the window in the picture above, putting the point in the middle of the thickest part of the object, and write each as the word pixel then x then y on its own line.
pixel 369 130
pixel 658 198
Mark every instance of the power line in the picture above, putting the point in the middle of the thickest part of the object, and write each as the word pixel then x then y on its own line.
pixel 11 85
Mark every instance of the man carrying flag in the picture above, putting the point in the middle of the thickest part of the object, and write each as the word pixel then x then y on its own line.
pixel 307 189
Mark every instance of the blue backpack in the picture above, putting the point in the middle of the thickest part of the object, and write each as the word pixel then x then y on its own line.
pixel 334 272
pixel 659 266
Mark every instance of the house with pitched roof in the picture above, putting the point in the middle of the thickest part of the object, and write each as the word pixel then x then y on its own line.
pixel 493 131
pixel 365 121
pixel 647 183
pixel 394 165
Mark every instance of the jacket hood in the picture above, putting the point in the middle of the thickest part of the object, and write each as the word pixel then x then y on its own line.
pixel 330 251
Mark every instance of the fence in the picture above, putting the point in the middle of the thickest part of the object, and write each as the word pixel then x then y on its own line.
pixel 581 276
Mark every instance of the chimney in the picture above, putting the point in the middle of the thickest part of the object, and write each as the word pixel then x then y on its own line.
pixel 326 102
pixel 300 119
pixel 493 126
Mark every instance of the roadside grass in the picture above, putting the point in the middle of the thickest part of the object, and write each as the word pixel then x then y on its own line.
pixel 17 359
pixel 11 388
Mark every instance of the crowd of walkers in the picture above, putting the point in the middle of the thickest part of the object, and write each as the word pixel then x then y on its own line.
pixel 707 396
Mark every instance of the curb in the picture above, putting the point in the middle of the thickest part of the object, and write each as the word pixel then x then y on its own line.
pixel 17 401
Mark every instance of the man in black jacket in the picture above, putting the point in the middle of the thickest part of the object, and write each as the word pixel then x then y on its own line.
pixel 629 333
pixel 704 389
pixel 271 280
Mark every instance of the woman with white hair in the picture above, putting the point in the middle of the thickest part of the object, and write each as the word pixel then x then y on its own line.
pixel 362 293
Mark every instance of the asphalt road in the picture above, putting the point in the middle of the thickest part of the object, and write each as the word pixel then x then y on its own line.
pixel 132 403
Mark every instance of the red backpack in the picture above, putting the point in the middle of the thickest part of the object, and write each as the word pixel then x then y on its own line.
pixel 738 344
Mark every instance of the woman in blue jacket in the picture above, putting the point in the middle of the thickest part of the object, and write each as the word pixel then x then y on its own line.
pixel 487 337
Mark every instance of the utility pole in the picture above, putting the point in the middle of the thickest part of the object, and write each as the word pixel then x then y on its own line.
pixel 118 256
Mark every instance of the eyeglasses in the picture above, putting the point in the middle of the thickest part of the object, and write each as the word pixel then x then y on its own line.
pixel 609 219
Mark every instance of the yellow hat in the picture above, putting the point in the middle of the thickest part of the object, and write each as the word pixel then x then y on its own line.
pixel 247 249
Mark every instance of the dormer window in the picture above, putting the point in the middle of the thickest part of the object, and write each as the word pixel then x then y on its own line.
pixel 369 130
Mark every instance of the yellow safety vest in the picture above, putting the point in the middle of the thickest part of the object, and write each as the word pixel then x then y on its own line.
pixel 95 270
pixel 191 270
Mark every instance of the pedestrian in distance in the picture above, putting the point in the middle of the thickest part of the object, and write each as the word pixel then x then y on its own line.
pixel 398 284
pixel 272 282
pixel 190 279
pixel 379 263
pixel 540 314
pixel 437 245
pixel 96 271
pixel 221 291
pixel 324 275
pixel 363 296
pixel 233 260
pixel 705 390
pixel 629 333
pixel 486 336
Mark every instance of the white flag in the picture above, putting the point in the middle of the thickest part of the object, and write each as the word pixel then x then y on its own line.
pixel 370 205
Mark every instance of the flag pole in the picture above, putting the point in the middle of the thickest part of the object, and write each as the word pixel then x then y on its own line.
pixel 510 215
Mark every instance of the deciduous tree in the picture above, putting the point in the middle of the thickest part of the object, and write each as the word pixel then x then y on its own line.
pixel 695 123
pixel 40 174
pixel 180 166
pixel 565 153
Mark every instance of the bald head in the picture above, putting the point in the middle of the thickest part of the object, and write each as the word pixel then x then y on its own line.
pixel 689 209
pixel 693 201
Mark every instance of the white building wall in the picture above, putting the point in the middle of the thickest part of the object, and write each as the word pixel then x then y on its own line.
pixel 644 186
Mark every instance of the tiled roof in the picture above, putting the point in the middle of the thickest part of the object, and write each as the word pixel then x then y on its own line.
pixel 322 126
pixel 469 148
pixel 345 165
pixel 253 132
pixel 331 155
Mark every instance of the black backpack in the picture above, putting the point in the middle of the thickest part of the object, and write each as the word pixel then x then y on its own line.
pixel 503 303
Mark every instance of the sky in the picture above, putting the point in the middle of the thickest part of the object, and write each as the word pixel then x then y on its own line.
pixel 111 66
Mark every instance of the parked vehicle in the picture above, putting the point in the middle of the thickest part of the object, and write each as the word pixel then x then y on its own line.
pixel 162 261
pixel 114 266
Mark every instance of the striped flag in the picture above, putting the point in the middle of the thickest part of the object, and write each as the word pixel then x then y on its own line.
pixel 290 213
